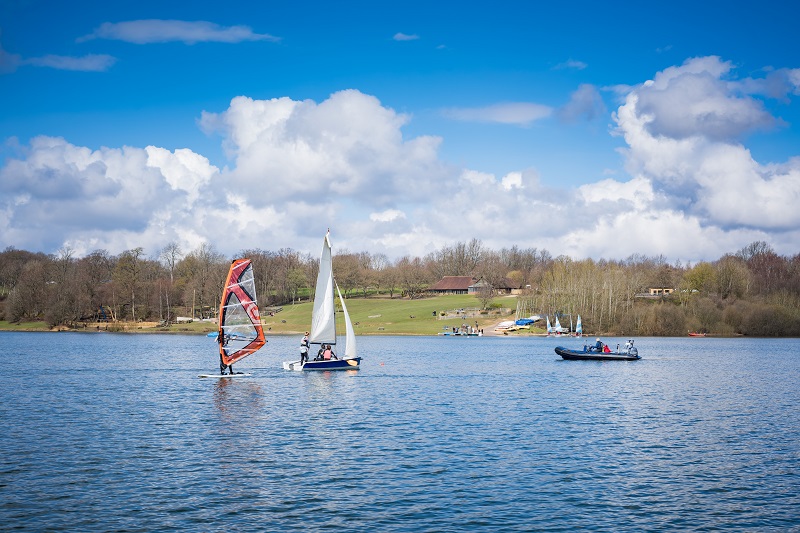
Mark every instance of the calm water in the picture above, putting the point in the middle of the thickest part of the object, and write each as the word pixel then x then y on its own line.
pixel 115 432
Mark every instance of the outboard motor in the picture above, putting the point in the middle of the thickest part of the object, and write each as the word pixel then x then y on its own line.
pixel 633 351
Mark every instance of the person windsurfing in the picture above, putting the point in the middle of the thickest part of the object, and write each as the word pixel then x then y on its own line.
pixel 222 339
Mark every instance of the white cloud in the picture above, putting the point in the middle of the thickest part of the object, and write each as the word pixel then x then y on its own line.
pixel 388 215
pixel 163 31
pixel 636 192
pixel 405 37
pixel 110 197
pixel 519 113
pixel 473 177
pixel 585 102
pixel 299 167
pixel 512 180
pixel 694 100
pixel 571 64
pixel 88 63
pixel 347 146
pixel 682 129
pixel 183 169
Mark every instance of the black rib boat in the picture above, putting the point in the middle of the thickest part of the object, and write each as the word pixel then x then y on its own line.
pixel 584 355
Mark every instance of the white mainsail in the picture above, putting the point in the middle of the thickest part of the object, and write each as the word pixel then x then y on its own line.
pixel 323 319
pixel 579 326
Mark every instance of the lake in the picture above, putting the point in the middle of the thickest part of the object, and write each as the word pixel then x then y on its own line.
pixel 116 432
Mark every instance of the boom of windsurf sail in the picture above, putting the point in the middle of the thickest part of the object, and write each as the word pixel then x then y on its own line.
pixel 240 333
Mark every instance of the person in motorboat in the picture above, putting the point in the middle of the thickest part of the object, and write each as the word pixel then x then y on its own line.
pixel 598 346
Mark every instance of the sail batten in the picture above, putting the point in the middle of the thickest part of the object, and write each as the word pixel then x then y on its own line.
pixel 238 312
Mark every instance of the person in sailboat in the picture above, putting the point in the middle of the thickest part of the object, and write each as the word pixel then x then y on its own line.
pixel 326 354
pixel 304 349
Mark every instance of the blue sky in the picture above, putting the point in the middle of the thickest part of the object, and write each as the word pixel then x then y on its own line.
pixel 589 131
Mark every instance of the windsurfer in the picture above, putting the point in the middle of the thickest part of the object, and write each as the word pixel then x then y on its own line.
pixel 223 340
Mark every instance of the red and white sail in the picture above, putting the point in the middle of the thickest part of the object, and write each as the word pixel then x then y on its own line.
pixel 240 333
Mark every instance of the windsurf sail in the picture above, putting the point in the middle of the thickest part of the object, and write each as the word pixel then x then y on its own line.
pixel 240 333
pixel 323 318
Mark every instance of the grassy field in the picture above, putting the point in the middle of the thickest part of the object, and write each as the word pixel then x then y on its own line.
pixel 24 326
pixel 384 316
pixel 370 316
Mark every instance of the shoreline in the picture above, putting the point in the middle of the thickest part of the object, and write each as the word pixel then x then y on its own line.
pixel 153 327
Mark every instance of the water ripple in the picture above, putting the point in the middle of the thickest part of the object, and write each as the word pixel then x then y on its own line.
pixel 433 434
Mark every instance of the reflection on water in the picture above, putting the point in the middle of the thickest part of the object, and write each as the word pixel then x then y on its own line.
pixel 435 434
pixel 238 393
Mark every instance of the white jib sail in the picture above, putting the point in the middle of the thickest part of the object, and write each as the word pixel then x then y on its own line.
pixel 323 320
pixel 350 335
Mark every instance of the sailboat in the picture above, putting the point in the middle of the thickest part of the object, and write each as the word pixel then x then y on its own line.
pixel 549 327
pixel 240 333
pixel 578 327
pixel 323 320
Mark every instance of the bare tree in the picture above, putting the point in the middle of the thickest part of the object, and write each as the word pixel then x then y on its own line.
pixel 412 276
pixel 126 275
pixel 460 259
pixel 205 271
pixel 170 255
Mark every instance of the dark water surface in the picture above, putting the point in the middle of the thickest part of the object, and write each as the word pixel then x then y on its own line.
pixel 115 432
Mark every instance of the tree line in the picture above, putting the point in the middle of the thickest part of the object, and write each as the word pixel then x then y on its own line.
pixel 754 291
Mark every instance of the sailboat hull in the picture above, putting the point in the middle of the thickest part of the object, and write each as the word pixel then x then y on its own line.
pixel 331 364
